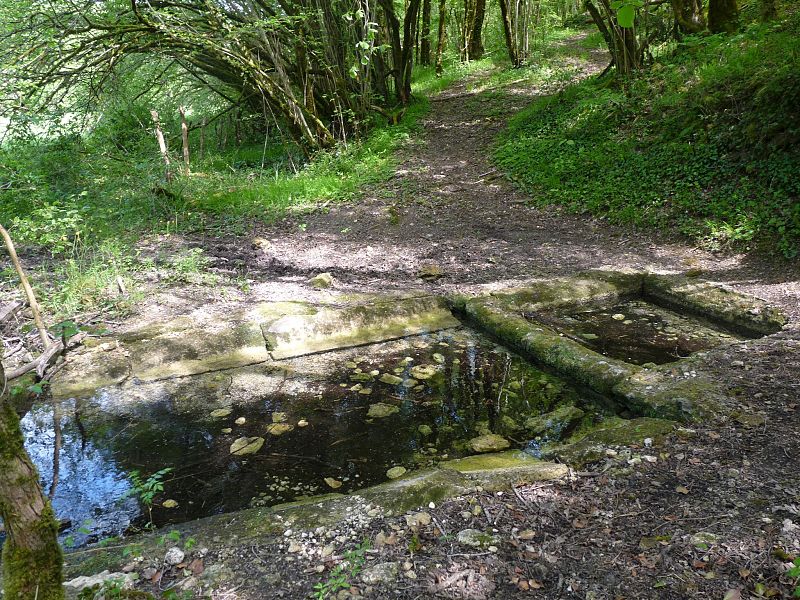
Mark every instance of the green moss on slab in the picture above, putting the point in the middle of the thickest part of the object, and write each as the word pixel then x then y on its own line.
pixel 544 346
pixel 591 446
pixel 556 423
pixel 657 393
pixel 588 287
pixel 416 489
pixel 746 314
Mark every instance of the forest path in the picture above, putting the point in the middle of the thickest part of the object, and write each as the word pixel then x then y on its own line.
pixel 448 206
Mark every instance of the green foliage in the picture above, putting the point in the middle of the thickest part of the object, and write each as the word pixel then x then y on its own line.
pixel 112 589
pixel 146 489
pixel 343 574
pixel 705 142
pixel 794 573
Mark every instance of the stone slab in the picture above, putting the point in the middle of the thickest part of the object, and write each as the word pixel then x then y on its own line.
pixel 336 328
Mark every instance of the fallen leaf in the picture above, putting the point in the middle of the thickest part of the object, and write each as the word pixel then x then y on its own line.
pixel 579 523
pixel 196 566
pixel 682 489
pixel 732 595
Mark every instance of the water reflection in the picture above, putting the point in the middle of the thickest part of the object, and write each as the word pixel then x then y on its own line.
pixel 437 392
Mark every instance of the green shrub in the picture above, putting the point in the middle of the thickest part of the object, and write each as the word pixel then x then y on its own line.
pixel 705 142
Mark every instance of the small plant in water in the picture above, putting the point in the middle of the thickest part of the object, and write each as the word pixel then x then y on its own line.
pixel 147 489
pixel 342 575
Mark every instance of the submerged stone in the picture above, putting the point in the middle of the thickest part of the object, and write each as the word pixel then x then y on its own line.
pixel 489 442
pixel 391 379
pixel 277 429
pixel 221 413
pixel 380 410
pixel 423 371
pixel 425 430
pixel 246 445
pixel 395 472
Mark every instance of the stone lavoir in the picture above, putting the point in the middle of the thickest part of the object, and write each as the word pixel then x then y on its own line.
pixel 290 402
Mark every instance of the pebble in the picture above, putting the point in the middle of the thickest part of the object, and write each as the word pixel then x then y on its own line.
pixel 174 556
pixel 419 519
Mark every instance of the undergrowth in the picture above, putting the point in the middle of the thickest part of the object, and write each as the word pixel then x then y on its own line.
pixel 83 203
pixel 705 142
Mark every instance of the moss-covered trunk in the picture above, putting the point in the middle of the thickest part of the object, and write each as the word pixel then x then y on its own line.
pixel 32 561
pixel 723 16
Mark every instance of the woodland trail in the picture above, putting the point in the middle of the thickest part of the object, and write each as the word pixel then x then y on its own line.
pixel 448 205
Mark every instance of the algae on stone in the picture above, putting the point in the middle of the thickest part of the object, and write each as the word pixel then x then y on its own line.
pixel 489 442
pixel 591 446
pixel 556 423
pixel 380 410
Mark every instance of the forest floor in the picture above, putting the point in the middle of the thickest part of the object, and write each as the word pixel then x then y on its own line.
pixel 715 513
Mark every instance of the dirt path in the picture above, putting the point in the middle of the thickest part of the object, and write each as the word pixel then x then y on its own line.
pixel 448 206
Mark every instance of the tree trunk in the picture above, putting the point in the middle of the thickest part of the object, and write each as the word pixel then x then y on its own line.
pixel 689 15
pixel 441 37
pixel 723 16
pixel 32 561
pixel 184 138
pixel 769 11
pixel 508 30
pixel 162 145
pixel 476 39
pixel 425 44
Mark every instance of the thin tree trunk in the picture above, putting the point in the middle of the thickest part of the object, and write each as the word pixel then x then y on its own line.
pixel 32 561
pixel 769 11
pixel 508 30
pixel 202 137
pixel 441 37
pixel 723 16
pixel 26 287
pixel 602 27
pixel 425 44
pixel 476 39
pixel 162 144
pixel 184 138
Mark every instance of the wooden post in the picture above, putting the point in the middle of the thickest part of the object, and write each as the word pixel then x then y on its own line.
pixel 162 144
pixel 185 138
